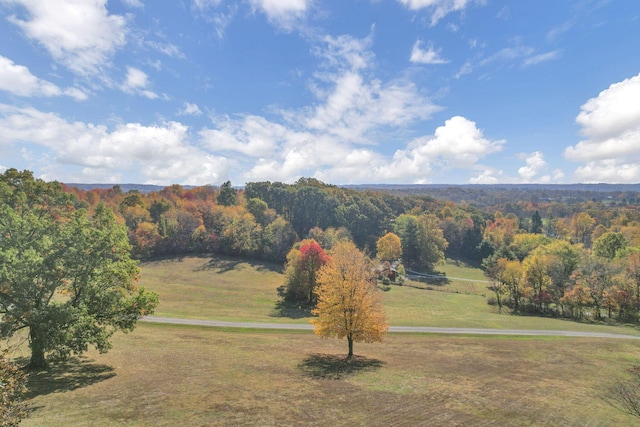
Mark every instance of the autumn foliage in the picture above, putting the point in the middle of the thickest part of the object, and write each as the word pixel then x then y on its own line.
pixel 302 267
pixel 349 303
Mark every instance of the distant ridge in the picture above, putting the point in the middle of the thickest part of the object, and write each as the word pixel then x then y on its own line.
pixel 600 187
pixel 143 188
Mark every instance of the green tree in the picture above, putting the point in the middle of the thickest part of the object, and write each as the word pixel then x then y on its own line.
pixel 278 237
pixel 609 245
pixel 65 277
pixel 536 223
pixel 349 302
pixel 423 243
pixel 228 195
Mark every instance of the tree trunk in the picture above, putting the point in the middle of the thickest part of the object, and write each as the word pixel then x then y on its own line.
pixel 350 355
pixel 36 343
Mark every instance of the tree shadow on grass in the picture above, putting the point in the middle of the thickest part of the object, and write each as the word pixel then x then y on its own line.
pixel 225 264
pixel 290 311
pixel 75 373
pixel 336 367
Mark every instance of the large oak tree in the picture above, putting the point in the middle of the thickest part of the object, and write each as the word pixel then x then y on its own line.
pixel 65 276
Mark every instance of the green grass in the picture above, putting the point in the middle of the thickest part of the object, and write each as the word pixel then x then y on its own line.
pixel 235 290
pixel 164 375
pixel 219 288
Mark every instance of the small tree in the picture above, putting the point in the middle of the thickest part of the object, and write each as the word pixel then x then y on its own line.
pixel 228 195
pixel 349 303
pixel 389 247
pixel 625 395
pixel 303 264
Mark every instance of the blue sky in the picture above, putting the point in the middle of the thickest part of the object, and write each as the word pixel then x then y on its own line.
pixel 347 91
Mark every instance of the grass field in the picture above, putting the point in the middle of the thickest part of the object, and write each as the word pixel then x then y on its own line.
pixel 235 290
pixel 163 375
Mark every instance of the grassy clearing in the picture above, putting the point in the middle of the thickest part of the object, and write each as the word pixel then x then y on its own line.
pixel 236 290
pixel 165 375
pixel 219 288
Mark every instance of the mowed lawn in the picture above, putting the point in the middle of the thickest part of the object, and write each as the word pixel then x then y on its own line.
pixel 232 289
pixel 164 375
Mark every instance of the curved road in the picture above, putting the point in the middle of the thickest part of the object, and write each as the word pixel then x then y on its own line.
pixel 404 329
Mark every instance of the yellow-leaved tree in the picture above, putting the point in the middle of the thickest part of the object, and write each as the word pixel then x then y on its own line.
pixel 389 247
pixel 349 302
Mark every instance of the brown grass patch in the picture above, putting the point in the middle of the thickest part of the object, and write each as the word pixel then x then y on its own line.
pixel 188 376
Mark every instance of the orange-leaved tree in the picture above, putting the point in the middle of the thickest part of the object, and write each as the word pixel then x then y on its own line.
pixel 349 303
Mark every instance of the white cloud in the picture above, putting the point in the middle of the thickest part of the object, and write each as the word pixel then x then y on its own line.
pixel 487 176
pixel 610 171
pixel 346 52
pixel 285 14
pixel 440 8
pixel 190 110
pixel 18 80
pixel 535 164
pixel 168 49
pixel 134 3
pixel 325 140
pixel 611 124
pixel 206 4
pixel 159 154
pixel 81 34
pixel 466 68
pixel 353 107
pixel 428 56
pixel 457 144
pixel 136 82
pixel 542 57
pixel 254 136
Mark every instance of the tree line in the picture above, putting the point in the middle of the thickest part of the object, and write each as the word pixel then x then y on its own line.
pixel 571 258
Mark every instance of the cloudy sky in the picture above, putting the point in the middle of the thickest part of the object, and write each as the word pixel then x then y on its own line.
pixel 346 91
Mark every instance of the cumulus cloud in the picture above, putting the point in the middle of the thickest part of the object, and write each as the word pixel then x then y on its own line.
pixel 611 125
pixel 352 106
pixel 439 8
pixel 428 56
pixel 326 140
pixel 80 34
pixel 254 136
pixel 535 164
pixel 136 81
pixel 285 14
pixel 488 176
pixel 158 154
pixel 18 80
pixel 457 144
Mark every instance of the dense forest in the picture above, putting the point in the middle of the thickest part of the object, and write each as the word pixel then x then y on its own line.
pixel 563 251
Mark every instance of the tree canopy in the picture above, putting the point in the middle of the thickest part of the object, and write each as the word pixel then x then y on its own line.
pixel 65 276
pixel 349 302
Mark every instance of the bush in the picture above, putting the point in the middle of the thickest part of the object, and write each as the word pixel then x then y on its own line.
pixel 13 386
pixel 492 300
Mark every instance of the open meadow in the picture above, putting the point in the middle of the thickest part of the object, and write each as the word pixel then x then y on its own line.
pixel 195 376
pixel 163 375
pixel 232 289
